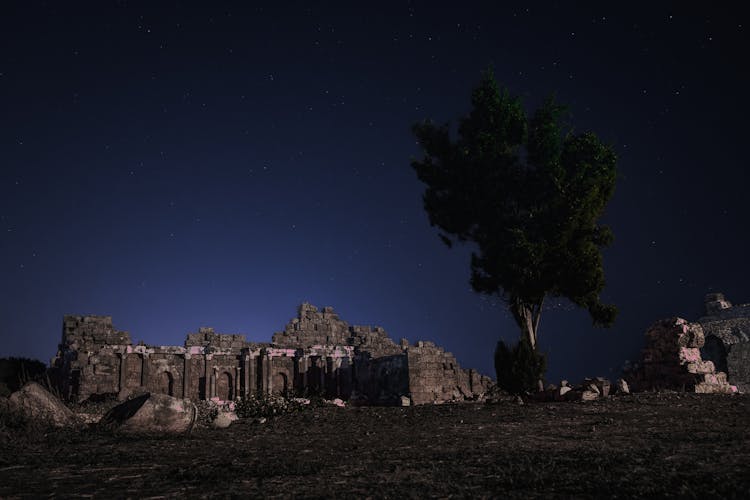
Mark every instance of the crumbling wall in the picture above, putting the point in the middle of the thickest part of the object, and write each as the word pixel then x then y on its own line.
pixel 312 327
pixel 374 340
pixel 727 330
pixel 317 353
pixel 672 360
pixel 89 357
pixel 436 377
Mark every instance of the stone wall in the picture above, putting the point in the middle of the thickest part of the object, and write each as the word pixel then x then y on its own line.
pixel 727 331
pixel 317 353
pixel 672 360
pixel 436 377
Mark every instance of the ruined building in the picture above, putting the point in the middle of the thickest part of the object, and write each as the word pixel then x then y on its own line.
pixel 727 331
pixel 317 353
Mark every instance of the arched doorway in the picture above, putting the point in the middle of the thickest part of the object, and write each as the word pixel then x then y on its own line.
pixel 224 387
pixel 165 384
pixel 281 383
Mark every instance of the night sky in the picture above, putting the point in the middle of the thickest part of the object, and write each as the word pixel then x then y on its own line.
pixel 177 166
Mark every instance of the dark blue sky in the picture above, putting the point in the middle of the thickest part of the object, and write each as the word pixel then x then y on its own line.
pixel 178 166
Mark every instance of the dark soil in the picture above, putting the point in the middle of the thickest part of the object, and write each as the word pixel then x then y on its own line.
pixel 680 445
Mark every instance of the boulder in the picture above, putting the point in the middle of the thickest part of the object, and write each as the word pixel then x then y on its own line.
pixel 604 386
pixel 589 395
pixel 36 402
pixel 622 386
pixel 224 419
pixel 152 413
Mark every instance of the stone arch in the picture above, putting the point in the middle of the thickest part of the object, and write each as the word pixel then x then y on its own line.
pixel 224 387
pixel 714 350
pixel 165 383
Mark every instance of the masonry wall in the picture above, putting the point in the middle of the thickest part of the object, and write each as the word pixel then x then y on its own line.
pixel 727 331
pixel 95 359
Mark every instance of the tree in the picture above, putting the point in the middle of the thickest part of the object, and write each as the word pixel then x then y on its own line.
pixel 529 192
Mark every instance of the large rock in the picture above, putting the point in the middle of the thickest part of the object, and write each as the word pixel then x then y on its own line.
pixel 224 419
pixel 36 402
pixel 152 413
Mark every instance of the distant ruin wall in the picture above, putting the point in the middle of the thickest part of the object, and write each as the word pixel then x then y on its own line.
pixel 317 353
pixel 727 331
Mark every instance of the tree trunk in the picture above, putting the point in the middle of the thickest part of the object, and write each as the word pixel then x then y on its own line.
pixel 527 316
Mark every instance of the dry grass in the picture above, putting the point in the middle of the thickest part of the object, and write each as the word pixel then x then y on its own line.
pixel 683 445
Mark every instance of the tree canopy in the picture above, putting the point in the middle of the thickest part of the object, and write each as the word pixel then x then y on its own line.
pixel 529 191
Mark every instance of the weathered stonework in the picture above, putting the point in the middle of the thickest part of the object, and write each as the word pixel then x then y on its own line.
pixel 727 331
pixel 672 360
pixel 317 353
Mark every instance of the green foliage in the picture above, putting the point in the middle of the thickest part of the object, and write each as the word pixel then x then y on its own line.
pixel 529 192
pixel 519 368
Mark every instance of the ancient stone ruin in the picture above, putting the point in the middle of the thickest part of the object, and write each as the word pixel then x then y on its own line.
pixel 727 331
pixel 317 353
pixel 672 360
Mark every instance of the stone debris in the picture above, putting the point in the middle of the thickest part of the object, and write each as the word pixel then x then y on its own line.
pixel 672 360
pixel 36 402
pixel 152 413
pixel 405 401
pixel 589 394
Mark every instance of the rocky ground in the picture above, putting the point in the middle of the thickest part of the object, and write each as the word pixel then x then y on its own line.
pixel 656 444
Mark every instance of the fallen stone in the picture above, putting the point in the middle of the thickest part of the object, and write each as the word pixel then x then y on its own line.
pixel 709 388
pixel 589 395
pixel 564 390
pixel 603 385
pixel 564 383
pixel 700 367
pixel 152 413
pixel 405 401
pixel 224 419
pixel 622 386
pixel 338 402
pixel 36 402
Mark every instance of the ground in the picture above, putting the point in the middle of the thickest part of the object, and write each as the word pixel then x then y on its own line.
pixel 667 444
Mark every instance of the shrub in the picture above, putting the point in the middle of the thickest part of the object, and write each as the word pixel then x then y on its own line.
pixel 269 405
pixel 519 368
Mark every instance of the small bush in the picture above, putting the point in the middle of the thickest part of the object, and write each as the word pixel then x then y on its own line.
pixel 269 405
pixel 519 368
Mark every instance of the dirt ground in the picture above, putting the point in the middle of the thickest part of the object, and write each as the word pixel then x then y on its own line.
pixel 676 444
